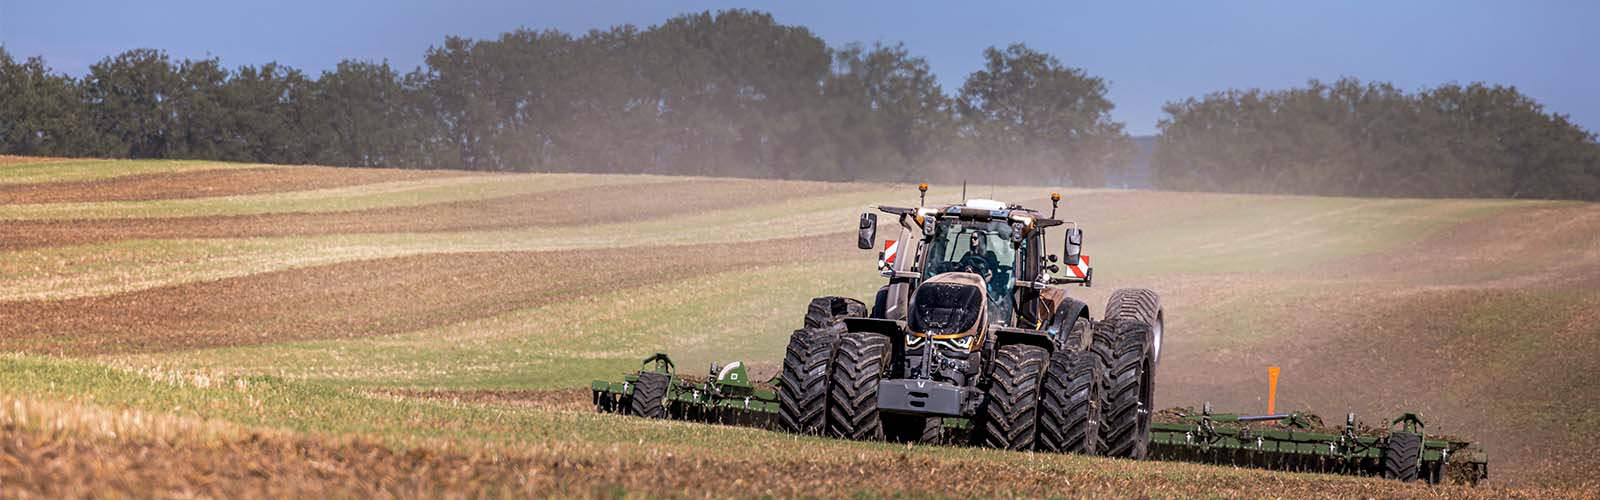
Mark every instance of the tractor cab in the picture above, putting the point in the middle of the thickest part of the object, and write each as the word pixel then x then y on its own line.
pixel 1002 245
pixel 982 248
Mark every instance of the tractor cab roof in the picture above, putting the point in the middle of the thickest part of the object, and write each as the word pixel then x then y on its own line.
pixel 978 209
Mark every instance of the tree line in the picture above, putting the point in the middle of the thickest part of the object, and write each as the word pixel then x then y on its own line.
pixel 731 93
pixel 734 93
pixel 1350 138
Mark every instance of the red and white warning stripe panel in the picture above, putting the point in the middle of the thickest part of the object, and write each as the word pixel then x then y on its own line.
pixel 890 249
pixel 1080 271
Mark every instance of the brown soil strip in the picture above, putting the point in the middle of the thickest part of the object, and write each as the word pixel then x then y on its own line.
pixel 14 160
pixel 273 466
pixel 546 400
pixel 375 297
pixel 205 183
pixel 588 205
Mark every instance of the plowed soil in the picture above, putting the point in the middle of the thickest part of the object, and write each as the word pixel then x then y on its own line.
pixel 582 206
pixel 204 183
pixel 365 298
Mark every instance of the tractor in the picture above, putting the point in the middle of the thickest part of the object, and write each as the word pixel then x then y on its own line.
pixel 974 332
pixel 973 339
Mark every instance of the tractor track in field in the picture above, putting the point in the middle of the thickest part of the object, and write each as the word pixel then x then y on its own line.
pixel 368 298
pixel 569 207
pixel 209 183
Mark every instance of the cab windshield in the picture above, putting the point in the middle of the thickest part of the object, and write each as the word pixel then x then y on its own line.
pixel 978 247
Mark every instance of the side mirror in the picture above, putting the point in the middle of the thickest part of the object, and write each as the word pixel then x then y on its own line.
pixel 1074 246
pixel 868 234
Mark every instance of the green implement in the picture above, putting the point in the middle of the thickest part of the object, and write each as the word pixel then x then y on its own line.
pixel 726 396
pixel 1294 441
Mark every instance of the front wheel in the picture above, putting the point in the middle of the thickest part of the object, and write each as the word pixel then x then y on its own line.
pixel 858 365
pixel 803 393
pixel 1010 415
pixel 1069 412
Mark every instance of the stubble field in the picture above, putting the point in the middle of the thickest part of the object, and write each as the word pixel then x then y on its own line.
pixel 196 328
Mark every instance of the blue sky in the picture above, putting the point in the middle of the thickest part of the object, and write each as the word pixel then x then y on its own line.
pixel 1150 52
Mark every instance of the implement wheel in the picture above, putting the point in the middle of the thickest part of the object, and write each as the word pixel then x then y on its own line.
pixel 1010 415
pixel 803 393
pixel 649 395
pixel 1129 387
pixel 858 364
pixel 1069 411
pixel 1403 456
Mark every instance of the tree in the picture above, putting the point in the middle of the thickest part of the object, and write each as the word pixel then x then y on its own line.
pixel 268 115
pixel 131 98
pixel 42 113
pixel 890 115
pixel 365 114
pixel 1027 111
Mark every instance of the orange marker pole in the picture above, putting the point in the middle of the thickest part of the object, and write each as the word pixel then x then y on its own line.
pixel 1272 390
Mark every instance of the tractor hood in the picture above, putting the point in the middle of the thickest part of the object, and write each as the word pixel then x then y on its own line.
pixel 948 306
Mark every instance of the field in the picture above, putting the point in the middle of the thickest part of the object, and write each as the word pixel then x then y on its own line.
pixel 212 329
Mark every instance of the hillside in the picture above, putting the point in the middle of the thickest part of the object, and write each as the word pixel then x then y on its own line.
pixel 177 328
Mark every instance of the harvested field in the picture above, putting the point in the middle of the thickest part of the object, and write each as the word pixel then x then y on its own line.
pixel 393 324
pixel 364 298
pixel 203 183
pixel 600 205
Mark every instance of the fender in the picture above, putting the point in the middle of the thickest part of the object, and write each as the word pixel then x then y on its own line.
pixel 1070 311
pixel 1007 336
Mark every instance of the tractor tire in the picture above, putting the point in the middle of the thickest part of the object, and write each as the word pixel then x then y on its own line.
pixel 1143 305
pixel 912 429
pixel 803 393
pixel 1069 411
pixel 858 364
pixel 1078 335
pixel 825 312
pixel 1128 396
pixel 649 395
pixel 1009 418
pixel 1403 456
